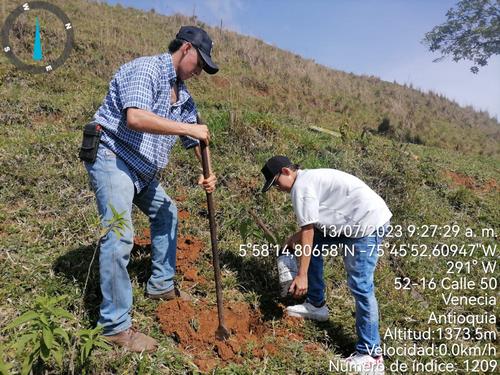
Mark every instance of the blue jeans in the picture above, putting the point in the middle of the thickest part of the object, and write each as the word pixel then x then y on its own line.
pixel 113 186
pixel 359 263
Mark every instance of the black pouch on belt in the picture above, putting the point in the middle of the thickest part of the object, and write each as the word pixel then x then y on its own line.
pixel 90 143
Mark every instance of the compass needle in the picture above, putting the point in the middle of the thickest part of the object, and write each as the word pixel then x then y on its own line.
pixel 37 49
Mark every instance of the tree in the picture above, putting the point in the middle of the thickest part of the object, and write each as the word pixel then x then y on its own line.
pixel 471 32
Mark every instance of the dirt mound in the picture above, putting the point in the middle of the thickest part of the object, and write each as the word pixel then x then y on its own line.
pixel 194 326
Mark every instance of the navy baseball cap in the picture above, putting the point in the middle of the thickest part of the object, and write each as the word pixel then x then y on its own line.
pixel 199 39
pixel 272 169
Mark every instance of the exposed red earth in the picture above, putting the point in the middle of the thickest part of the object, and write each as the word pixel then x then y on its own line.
pixel 468 182
pixel 193 324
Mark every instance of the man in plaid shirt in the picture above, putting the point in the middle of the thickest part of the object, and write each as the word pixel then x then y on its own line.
pixel 145 110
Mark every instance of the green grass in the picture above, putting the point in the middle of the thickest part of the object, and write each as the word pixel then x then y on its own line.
pixel 255 108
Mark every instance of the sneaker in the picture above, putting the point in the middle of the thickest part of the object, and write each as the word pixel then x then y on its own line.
pixel 171 294
pixel 308 311
pixel 365 364
pixel 133 340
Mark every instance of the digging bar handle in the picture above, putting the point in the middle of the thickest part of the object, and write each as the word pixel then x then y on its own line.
pixel 205 161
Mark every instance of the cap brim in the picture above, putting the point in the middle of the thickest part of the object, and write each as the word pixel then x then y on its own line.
pixel 268 184
pixel 208 66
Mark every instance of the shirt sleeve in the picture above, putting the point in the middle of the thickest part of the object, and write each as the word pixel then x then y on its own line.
pixel 305 204
pixel 189 142
pixel 189 115
pixel 139 87
pixel 306 210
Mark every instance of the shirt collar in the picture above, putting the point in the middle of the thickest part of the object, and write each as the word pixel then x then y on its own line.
pixel 299 173
pixel 171 74
pixel 171 77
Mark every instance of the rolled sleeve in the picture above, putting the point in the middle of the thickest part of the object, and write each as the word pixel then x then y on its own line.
pixel 189 142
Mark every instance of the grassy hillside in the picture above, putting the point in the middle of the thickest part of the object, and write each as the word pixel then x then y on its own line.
pixel 432 161
pixel 258 77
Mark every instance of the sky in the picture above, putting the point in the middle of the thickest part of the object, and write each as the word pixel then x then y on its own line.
pixel 380 38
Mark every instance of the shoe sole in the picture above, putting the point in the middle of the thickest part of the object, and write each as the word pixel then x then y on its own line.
pixel 128 349
pixel 317 318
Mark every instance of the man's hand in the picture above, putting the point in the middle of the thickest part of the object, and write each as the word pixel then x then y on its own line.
pixel 200 132
pixel 208 183
pixel 298 288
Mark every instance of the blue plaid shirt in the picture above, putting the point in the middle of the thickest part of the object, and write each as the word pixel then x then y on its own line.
pixel 144 83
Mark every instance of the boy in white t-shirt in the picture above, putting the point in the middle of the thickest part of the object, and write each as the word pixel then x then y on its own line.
pixel 334 208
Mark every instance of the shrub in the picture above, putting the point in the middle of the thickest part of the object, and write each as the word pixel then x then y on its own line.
pixel 385 126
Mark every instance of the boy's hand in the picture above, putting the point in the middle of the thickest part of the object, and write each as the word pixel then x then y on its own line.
pixel 298 288
pixel 208 183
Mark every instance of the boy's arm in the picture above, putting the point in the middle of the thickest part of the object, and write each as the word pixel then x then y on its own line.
pixel 299 284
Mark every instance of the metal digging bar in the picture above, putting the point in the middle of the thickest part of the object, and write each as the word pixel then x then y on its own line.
pixel 221 333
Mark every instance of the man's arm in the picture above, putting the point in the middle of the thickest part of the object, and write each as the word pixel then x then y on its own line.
pixel 305 237
pixel 144 121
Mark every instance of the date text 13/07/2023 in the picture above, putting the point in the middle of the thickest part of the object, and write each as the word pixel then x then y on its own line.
pixel 408 231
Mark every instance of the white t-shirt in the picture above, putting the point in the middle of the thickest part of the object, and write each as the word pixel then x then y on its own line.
pixel 339 201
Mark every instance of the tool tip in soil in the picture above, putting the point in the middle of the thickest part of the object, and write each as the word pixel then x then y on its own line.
pixel 222 333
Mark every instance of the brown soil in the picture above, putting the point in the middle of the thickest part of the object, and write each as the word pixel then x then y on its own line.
pixel 194 326
pixel 490 185
pixel 459 179
pixel 143 240
pixel 181 198
pixel 188 251
pixel 183 215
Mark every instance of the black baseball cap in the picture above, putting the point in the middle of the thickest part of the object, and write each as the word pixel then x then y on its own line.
pixel 272 168
pixel 200 39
